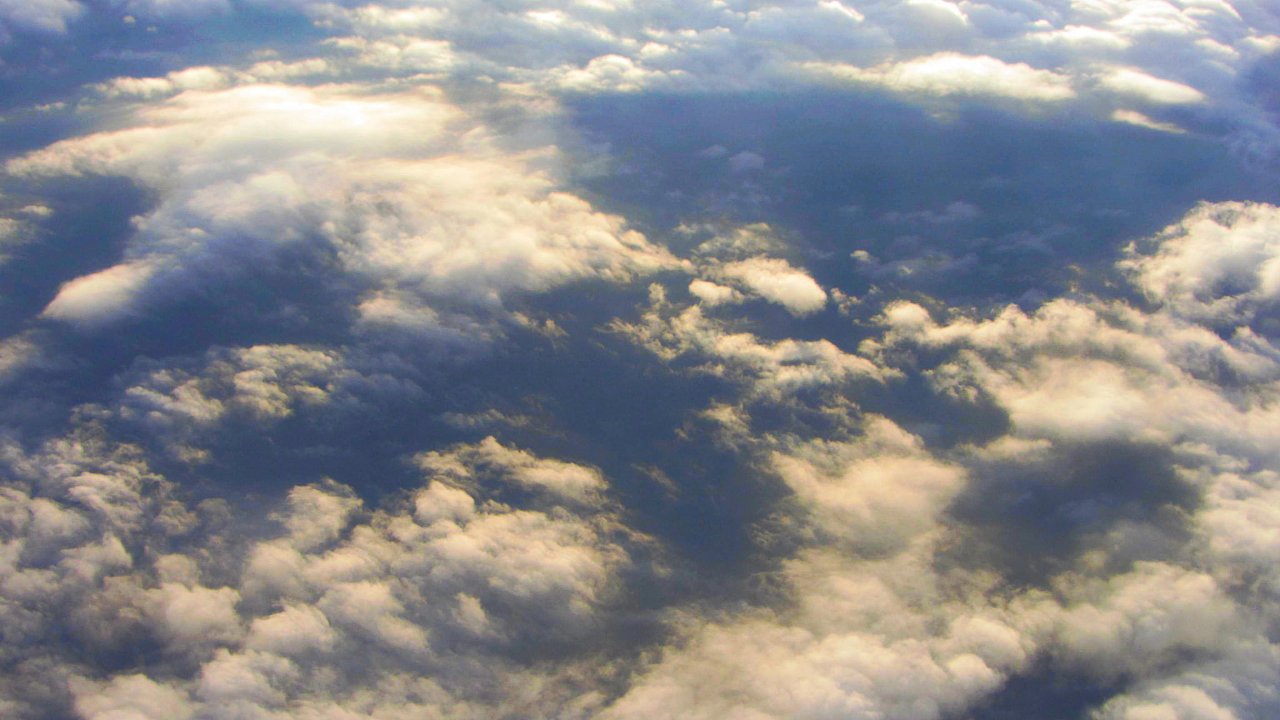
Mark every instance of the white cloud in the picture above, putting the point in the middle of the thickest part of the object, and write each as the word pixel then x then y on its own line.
pixel 1082 37
pixel 130 697
pixel 18 231
pixel 745 162
pixel 16 354
pixel 711 294
pixel 181 401
pixel 611 73
pixel 339 607
pixel 318 514
pixel 193 78
pixel 195 616
pixel 1037 52
pixel 777 281
pixel 1220 263
pixel 1095 370
pixel 1135 83
pixel 398 19
pixel 945 74
pixel 1191 377
pixel 295 630
pixel 396 54
pixel 1133 117
pixel 1144 619
pixel 103 296
pixel 876 494
pixel 773 370
pixel 1190 703
pixel 569 481
pixel 868 630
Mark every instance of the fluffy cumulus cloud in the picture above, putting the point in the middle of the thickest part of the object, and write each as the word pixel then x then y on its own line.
pixel 856 640
pixel 1145 593
pixel 335 609
pixel 422 214
pixel 1086 370
pixel 776 281
pixel 567 480
pixel 774 370
pixel 179 403
pixel 1127 57
pixel 1218 264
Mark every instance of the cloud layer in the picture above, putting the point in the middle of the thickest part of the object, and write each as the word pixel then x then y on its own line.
pixel 352 370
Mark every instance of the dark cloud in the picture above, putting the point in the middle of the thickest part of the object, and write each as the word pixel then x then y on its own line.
pixel 1036 519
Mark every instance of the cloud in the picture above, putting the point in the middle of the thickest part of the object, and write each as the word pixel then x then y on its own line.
pixel 776 281
pixel 294 631
pixel 183 403
pixel 1175 701
pixel 568 481
pixel 1133 117
pixel 193 78
pixel 876 494
pixel 745 162
pixel 946 74
pixel 1219 263
pixel 129 696
pixel 1120 451
pixel 1127 81
pixel 337 601
pixel 396 54
pixel 712 294
pixel 103 296
pixel 16 354
pixel 188 616
pixel 318 514
pixel 246 172
pixel 1036 52
pixel 611 73
pixel 774 370
pixel 40 15
pixel 1191 376
pixel 1145 618
pixel 861 615
pixel 18 231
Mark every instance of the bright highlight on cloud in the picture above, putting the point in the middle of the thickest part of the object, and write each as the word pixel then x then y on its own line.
pixel 612 360
pixel 246 173
pixel 954 74
pixel 101 296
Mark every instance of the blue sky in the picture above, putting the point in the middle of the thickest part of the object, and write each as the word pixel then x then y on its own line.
pixel 615 359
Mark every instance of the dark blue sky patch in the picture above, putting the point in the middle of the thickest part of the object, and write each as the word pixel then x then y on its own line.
pixel 979 204
pixel 1044 693
pixel 40 68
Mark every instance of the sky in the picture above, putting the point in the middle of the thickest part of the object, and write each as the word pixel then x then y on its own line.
pixel 627 360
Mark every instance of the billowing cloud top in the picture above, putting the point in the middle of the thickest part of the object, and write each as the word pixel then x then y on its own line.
pixel 911 360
